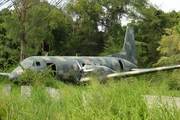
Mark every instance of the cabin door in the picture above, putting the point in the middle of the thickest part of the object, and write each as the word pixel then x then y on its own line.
pixel 52 67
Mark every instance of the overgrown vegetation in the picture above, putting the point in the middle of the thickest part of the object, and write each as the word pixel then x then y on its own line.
pixel 34 78
pixel 115 99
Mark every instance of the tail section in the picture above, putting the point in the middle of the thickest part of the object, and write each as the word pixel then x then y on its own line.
pixel 129 50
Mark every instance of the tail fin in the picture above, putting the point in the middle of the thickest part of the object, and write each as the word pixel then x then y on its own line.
pixel 129 50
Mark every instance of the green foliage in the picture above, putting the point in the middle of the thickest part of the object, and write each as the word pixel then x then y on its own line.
pixel 97 24
pixel 1 112
pixel 8 47
pixel 85 32
pixel 122 99
pixel 174 81
pixel 41 26
pixel 177 27
pixel 169 48
pixel 114 41
pixel 141 49
pixel 111 46
pixel 39 106
pixel 59 34
pixel 150 23
pixel 35 78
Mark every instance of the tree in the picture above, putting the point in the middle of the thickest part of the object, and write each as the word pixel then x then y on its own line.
pixel 31 24
pixel 8 48
pixel 149 24
pixel 98 18
pixel 60 32
pixel 86 37
pixel 21 7
pixel 169 48
pixel 16 23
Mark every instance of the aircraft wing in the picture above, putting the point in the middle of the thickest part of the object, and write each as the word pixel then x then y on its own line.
pixel 142 71
pixel 135 72
pixel 5 74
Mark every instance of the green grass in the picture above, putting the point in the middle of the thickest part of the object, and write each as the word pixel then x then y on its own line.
pixel 116 99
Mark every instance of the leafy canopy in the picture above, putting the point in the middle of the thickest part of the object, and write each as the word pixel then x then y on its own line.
pixel 169 48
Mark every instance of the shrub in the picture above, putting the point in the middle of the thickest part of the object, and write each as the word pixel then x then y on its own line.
pixel 35 78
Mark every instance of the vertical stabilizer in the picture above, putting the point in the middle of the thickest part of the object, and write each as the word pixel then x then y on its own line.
pixel 129 49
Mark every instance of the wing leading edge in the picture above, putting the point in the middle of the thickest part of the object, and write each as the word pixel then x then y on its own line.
pixel 142 71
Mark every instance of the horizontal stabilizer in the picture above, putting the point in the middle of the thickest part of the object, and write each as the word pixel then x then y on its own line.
pixel 141 71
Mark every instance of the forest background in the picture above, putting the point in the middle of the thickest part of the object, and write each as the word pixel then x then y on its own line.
pixel 87 27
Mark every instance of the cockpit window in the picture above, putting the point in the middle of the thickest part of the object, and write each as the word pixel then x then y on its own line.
pixel 36 64
pixel 26 63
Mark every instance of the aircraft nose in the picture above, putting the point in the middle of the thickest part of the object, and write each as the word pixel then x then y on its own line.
pixel 16 73
pixel 12 76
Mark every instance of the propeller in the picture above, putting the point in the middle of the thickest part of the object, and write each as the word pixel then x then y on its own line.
pixel 79 66
pixel 82 69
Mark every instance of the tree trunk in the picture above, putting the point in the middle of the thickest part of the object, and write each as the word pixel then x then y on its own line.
pixel 22 47
pixel 22 24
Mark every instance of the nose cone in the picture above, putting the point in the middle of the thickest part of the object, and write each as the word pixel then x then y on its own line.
pixel 16 73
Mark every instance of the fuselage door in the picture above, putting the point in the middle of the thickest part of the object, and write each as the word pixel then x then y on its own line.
pixel 52 66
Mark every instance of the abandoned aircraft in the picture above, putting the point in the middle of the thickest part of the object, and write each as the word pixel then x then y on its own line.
pixel 77 68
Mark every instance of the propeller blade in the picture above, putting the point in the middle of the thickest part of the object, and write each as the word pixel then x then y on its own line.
pixel 87 70
pixel 83 70
pixel 80 70
pixel 79 65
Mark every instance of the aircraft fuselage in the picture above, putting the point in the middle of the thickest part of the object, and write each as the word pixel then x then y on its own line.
pixel 66 68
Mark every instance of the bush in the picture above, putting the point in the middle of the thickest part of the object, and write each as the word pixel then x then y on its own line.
pixel 174 81
pixel 35 78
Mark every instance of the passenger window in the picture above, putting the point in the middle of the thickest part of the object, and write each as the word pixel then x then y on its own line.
pixel 38 64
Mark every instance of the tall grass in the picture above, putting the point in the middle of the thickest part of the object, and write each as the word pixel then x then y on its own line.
pixel 116 99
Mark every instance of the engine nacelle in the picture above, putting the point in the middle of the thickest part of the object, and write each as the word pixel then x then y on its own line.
pixel 99 69
pixel 126 65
